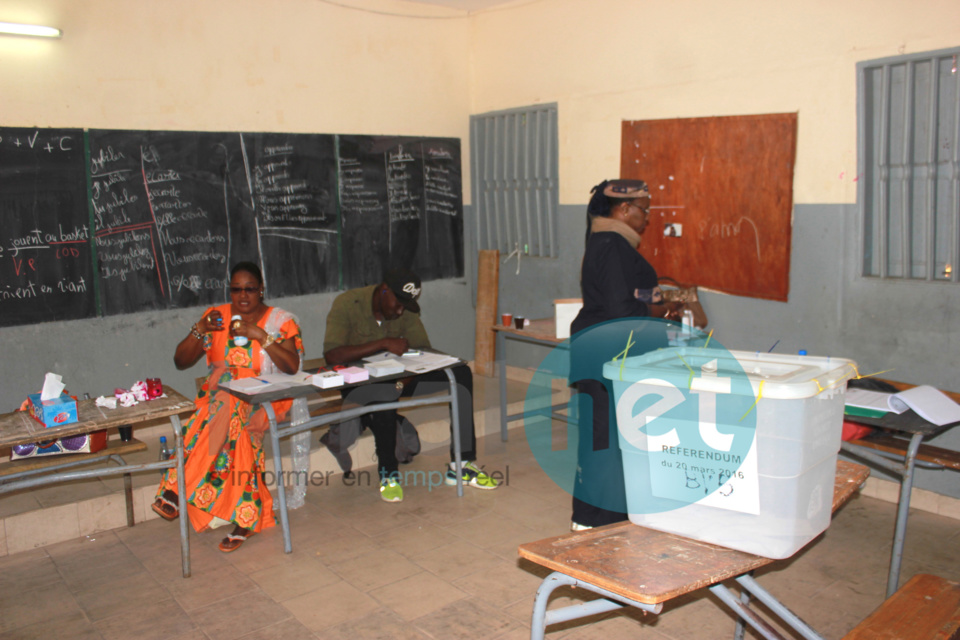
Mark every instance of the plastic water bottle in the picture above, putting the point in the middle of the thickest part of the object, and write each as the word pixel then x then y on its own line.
pixel 165 452
pixel 687 322
pixel 240 341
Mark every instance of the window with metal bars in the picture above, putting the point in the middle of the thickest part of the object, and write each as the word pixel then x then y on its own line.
pixel 908 113
pixel 514 174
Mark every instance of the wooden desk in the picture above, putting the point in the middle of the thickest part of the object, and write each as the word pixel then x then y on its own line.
pixel 632 565
pixel 19 428
pixel 542 332
pixel 347 411
pixel 907 424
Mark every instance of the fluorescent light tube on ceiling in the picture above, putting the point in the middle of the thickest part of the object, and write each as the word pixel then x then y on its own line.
pixel 12 28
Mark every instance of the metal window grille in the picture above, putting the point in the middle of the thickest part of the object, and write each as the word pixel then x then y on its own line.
pixel 515 186
pixel 909 165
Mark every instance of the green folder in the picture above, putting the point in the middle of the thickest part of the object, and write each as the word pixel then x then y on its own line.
pixel 863 413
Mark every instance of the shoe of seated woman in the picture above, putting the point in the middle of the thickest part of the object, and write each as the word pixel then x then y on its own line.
pixel 233 541
pixel 166 506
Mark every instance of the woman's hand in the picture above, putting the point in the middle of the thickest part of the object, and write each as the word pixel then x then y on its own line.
pixel 248 330
pixel 213 321
pixel 667 310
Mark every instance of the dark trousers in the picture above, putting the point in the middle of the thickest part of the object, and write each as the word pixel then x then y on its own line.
pixel 598 492
pixel 383 424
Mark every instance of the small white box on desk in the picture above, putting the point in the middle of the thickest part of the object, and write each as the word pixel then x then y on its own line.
pixel 326 379
pixel 733 448
pixel 566 310
pixel 382 368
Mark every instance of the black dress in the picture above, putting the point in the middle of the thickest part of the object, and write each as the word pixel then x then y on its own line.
pixel 616 282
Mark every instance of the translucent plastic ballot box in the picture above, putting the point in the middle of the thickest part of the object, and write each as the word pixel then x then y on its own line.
pixel 733 448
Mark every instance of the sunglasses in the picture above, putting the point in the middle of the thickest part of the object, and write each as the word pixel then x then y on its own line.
pixel 250 290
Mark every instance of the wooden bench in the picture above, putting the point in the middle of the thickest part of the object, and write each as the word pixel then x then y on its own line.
pixel 113 452
pixel 929 454
pixel 925 608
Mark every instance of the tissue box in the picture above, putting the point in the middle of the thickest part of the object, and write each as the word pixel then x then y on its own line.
pixel 354 374
pixel 326 379
pixel 85 443
pixel 53 413
pixel 566 310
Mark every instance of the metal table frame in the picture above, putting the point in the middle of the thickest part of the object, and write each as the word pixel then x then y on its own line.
pixel 288 428
pixel 93 418
pixel 902 466
pixel 540 332
pixel 614 541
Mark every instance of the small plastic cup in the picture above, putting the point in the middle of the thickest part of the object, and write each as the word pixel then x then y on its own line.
pixel 518 322
pixel 507 319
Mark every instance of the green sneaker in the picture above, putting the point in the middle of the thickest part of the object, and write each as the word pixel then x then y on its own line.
pixel 472 476
pixel 391 491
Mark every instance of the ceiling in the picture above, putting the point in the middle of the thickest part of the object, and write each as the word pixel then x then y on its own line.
pixel 465 5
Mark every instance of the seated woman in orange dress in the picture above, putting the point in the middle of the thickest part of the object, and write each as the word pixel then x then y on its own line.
pixel 223 440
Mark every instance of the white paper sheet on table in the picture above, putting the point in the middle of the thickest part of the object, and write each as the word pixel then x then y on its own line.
pixel 930 404
pixel 422 363
pixel 427 362
pixel 266 382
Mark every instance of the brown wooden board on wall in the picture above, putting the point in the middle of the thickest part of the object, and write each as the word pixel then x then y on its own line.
pixel 722 199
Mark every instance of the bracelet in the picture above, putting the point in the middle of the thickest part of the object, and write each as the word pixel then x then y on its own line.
pixel 195 332
pixel 269 341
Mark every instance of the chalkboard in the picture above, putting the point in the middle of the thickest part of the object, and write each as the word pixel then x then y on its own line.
pixel 146 220
pixel 722 199
pixel 46 270
pixel 402 205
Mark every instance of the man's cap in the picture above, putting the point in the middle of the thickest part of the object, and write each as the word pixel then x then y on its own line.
pixel 626 189
pixel 405 285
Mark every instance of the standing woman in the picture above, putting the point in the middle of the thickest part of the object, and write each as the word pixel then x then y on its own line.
pixel 616 282
pixel 223 440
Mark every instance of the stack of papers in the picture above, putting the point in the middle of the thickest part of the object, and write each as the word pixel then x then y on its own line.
pixel 930 404
pixel 423 362
pixel 267 382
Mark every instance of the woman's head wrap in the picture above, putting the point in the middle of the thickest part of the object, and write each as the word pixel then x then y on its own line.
pixel 609 193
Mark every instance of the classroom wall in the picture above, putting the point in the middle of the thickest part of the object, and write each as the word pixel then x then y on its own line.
pixel 607 61
pixel 304 65
pixel 234 65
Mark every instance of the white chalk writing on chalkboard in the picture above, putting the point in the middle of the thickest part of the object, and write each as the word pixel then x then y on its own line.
pixel 403 204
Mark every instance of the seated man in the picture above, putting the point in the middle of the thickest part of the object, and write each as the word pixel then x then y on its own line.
pixel 385 317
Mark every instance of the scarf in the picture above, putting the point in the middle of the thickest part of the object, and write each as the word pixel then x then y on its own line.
pixel 600 224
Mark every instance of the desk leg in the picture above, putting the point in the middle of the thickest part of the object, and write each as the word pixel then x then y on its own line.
pixel 502 376
pixel 752 587
pixel 455 428
pixel 610 602
pixel 746 613
pixel 128 497
pixel 903 512
pixel 182 498
pixel 278 471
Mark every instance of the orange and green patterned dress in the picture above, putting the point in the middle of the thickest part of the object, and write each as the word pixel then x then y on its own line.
pixel 223 440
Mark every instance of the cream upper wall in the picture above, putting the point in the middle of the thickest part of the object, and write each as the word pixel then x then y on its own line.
pixel 605 61
pixel 313 66
pixel 248 65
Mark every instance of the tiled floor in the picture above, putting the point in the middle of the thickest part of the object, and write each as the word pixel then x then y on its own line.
pixel 433 566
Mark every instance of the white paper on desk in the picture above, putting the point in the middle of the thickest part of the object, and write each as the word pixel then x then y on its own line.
pixel 867 399
pixel 52 387
pixel 250 386
pixel 377 357
pixel 930 404
pixel 427 362
pixel 286 379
